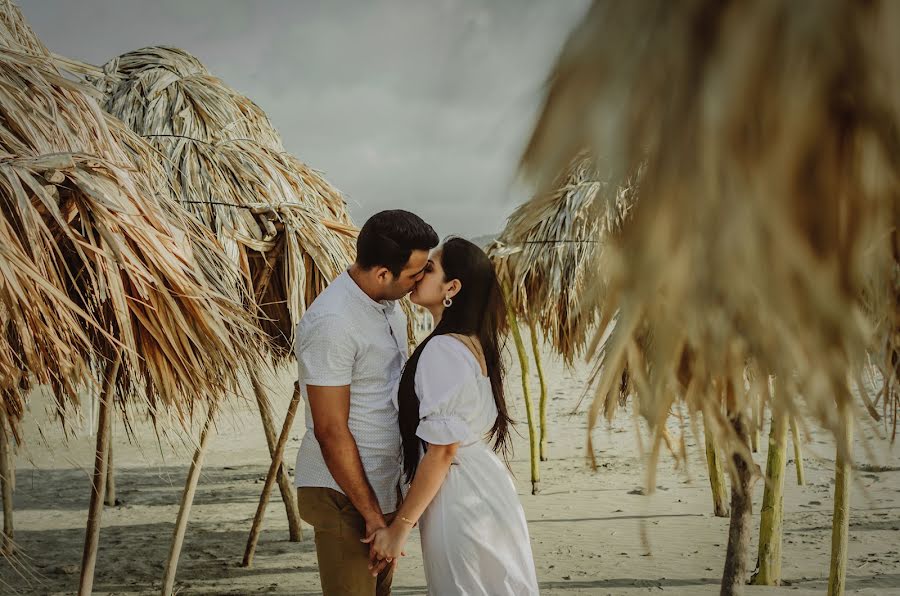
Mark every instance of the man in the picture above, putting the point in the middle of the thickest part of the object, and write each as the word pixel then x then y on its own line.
pixel 351 347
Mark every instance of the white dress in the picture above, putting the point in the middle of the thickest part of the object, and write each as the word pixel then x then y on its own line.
pixel 474 535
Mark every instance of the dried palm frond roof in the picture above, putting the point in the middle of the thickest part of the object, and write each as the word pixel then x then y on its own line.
pixel 762 232
pixel 279 220
pixel 272 217
pixel 163 90
pixel 16 34
pixel 92 247
pixel 548 250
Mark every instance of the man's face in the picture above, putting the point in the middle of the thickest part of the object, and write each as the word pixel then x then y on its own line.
pixel 399 286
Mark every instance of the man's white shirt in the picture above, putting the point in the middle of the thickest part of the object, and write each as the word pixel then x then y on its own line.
pixel 346 338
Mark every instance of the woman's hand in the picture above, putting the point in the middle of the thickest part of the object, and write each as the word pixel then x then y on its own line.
pixel 387 543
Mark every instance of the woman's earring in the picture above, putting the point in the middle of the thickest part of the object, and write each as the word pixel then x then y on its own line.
pixel 448 302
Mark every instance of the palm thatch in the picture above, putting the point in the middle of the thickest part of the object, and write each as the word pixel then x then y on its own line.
pixel 283 225
pixel 92 256
pixel 549 248
pixel 16 34
pixel 162 90
pixel 284 228
pixel 768 135
pixel 281 234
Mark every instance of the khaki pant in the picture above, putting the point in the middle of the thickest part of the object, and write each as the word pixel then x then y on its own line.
pixel 343 559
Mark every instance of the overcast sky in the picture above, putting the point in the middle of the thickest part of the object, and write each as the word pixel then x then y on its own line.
pixel 421 105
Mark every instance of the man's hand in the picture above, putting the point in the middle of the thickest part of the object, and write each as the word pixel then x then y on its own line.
pixel 386 546
pixel 372 525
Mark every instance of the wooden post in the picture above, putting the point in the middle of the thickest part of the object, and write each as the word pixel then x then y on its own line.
pixel 110 477
pixel 256 528
pixel 285 486
pixel 716 475
pixel 529 410
pixel 840 522
pixel 7 472
pixel 798 451
pixel 98 488
pixel 542 404
pixel 756 409
pixel 768 562
pixel 735 573
pixel 187 500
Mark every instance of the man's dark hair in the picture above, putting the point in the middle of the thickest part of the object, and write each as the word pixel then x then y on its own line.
pixel 388 238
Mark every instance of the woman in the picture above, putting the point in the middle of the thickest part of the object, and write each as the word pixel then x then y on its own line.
pixel 451 401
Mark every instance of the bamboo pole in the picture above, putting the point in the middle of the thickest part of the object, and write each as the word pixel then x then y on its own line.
pixel 756 405
pixel 256 528
pixel 98 487
pixel 187 500
pixel 542 407
pixel 735 572
pixel 716 475
pixel 840 522
pixel 110 477
pixel 798 451
pixel 7 473
pixel 768 562
pixel 529 410
pixel 288 494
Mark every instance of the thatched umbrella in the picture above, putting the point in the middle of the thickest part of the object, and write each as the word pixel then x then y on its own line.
pixel 762 234
pixel 542 257
pixel 81 223
pixel 163 90
pixel 16 34
pixel 546 251
pixel 284 226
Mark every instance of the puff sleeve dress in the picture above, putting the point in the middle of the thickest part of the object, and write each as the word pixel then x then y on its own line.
pixel 474 535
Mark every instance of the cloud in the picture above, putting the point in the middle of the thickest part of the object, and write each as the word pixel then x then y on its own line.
pixel 420 105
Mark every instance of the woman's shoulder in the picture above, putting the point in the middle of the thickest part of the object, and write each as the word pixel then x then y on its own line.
pixel 447 351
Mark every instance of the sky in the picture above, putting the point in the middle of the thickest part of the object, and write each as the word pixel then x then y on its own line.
pixel 412 104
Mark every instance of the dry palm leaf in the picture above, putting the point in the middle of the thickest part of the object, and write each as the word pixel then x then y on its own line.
pixel 160 90
pixel 282 224
pixel 548 249
pixel 91 255
pixel 762 238
pixel 16 34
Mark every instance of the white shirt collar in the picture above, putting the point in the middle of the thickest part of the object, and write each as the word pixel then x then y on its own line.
pixel 386 306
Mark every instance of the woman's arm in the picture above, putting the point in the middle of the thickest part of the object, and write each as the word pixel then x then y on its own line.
pixel 388 542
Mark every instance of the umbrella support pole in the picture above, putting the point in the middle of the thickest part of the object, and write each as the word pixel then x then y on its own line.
pixel 734 575
pixel 798 451
pixel 771 524
pixel 542 407
pixel 840 522
pixel 110 477
pixel 187 500
pixel 256 528
pixel 716 475
pixel 529 409
pixel 7 474
pixel 285 486
pixel 98 485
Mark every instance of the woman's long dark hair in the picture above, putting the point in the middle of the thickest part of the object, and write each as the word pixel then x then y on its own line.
pixel 477 310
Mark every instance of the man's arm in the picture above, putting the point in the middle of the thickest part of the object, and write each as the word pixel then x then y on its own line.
pixel 330 408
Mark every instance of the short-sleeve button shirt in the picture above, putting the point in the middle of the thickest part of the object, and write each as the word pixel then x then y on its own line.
pixel 346 338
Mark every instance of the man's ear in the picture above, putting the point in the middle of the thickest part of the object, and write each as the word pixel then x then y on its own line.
pixel 384 275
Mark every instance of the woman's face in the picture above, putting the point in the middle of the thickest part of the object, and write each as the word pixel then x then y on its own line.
pixel 431 289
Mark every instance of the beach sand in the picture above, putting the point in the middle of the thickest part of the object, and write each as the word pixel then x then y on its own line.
pixel 593 532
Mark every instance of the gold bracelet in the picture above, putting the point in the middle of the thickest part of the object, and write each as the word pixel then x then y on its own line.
pixel 407 520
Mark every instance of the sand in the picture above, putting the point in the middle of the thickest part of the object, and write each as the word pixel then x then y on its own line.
pixel 586 527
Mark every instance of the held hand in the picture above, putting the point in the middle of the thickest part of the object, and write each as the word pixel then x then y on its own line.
pixel 387 544
pixel 373 524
